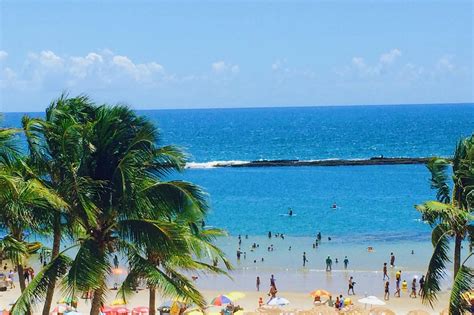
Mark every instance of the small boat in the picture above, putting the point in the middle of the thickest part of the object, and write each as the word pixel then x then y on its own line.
pixel 33 247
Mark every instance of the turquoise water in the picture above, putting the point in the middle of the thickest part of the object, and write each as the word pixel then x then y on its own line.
pixel 375 203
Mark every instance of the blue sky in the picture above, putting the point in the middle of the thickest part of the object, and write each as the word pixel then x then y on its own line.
pixel 196 54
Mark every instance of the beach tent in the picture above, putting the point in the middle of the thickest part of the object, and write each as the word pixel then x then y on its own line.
pixel 120 310
pixel 140 310
pixel 278 301
pixel 371 300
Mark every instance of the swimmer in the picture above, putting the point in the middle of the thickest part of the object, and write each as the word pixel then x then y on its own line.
pixel 334 206
pixel 290 212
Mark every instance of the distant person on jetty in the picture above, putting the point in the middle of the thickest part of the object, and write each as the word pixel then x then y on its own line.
pixel 346 262
pixel 328 263
pixel 392 260
pixel 413 289
pixel 351 286
pixel 258 283
pixel 387 291
pixel 305 260
pixel 385 274
pixel 422 284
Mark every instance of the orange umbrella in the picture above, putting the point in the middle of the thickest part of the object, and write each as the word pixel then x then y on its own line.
pixel 319 292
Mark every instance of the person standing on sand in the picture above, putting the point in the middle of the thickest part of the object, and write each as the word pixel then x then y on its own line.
pixel 116 262
pixel 328 263
pixel 392 260
pixel 385 274
pixel 269 234
pixel 387 291
pixel 272 293
pixel 413 289
pixel 351 286
pixel 422 283
pixel 258 283
pixel 272 281
pixel 346 262
pixel 304 259
pixel 398 277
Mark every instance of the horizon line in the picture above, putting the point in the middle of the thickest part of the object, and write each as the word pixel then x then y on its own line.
pixel 269 107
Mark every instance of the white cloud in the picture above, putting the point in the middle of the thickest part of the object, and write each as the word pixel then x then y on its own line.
pixel 386 60
pixel 3 55
pixel 445 64
pixel 95 69
pixel 221 67
pixel 389 57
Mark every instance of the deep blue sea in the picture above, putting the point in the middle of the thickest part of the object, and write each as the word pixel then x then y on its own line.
pixel 374 202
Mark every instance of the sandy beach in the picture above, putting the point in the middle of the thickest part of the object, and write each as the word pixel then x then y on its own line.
pixel 293 281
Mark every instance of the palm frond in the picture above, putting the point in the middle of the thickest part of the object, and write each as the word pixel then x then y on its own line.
pixel 463 283
pixel 36 290
pixel 13 249
pixel 439 178
pixel 437 265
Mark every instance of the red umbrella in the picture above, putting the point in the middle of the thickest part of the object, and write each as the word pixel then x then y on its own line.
pixel 120 310
pixel 140 310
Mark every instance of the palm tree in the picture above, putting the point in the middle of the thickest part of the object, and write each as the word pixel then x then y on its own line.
pixel 120 161
pixel 55 149
pixel 451 218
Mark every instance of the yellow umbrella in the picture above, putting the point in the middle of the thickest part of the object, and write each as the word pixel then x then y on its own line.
pixel 319 292
pixel 235 295
pixel 119 302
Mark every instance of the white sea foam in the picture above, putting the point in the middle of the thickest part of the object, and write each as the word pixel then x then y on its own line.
pixel 212 164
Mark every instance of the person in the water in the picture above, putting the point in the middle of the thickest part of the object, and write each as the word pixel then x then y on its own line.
pixel 290 212
pixel 334 206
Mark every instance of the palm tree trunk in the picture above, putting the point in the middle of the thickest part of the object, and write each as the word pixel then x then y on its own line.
pixel 21 278
pixel 152 300
pixel 457 254
pixel 54 252
pixel 97 300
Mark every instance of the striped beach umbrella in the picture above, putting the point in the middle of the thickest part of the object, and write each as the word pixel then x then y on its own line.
pixel 221 300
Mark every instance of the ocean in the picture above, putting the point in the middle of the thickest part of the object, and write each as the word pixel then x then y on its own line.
pixel 375 203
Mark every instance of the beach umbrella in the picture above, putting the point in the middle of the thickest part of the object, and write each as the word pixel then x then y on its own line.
pixel 418 312
pixel 381 311
pixel 120 310
pixel 119 302
pixel 106 310
pixel 221 300
pixel 278 301
pixel 140 310
pixel 371 300
pixel 235 295
pixel 319 292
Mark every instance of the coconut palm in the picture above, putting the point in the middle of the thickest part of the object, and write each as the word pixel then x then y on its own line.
pixel 55 147
pixel 451 219
pixel 120 164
